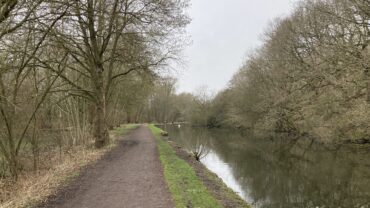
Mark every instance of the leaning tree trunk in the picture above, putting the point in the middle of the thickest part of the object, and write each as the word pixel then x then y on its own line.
pixel 100 128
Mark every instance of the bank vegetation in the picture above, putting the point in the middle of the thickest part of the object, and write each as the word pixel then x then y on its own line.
pixel 310 77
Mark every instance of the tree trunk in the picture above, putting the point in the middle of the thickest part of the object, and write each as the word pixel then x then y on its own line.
pixel 13 166
pixel 368 91
pixel 367 78
pixel 100 128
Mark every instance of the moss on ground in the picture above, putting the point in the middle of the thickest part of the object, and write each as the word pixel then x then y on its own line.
pixel 187 190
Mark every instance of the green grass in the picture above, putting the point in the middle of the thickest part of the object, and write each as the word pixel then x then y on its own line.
pixel 124 128
pixel 187 190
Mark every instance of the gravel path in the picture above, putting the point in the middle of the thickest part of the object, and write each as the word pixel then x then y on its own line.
pixel 130 176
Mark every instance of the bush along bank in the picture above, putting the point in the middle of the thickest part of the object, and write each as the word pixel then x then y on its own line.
pixel 190 183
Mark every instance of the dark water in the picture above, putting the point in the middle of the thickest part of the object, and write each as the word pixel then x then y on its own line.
pixel 278 174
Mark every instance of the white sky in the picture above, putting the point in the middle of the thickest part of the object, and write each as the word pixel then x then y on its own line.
pixel 222 32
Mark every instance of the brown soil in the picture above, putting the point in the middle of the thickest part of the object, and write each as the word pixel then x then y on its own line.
pixel 214 184
pixel 130 176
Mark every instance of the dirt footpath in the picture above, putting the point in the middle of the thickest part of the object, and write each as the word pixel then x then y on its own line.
pixel 130 176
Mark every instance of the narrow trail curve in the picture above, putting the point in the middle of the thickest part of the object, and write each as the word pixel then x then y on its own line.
pixel 130 176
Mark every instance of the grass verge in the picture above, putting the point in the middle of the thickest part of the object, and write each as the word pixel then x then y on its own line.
pixel 123 129
pixel 34 187
pixel 226 196
pixel 187 190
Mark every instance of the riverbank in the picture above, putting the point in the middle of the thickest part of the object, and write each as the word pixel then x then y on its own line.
pixel 35 187
pixel 194 185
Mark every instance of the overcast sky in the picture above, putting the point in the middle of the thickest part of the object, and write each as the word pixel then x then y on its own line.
pixel 222 32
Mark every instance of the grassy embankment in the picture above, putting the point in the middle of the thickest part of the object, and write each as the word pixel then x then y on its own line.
pixel 187 190
pixel 34 187
pixel 191 184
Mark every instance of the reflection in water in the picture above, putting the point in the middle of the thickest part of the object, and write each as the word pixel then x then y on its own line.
pixel 276 174
pixel 222 169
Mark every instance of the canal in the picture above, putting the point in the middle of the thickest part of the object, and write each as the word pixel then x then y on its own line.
pixel 281 174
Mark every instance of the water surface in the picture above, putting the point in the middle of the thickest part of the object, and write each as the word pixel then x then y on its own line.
pixel 280 174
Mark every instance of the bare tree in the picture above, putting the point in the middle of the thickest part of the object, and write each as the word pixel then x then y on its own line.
pixel 110 39
pixel 17 53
